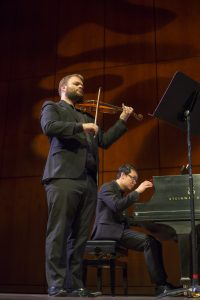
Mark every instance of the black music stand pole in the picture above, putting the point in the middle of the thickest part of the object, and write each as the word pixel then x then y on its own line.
pixel 194 287
pixel 181 114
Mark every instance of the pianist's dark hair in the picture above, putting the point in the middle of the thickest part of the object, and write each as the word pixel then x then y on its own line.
pixel 126 169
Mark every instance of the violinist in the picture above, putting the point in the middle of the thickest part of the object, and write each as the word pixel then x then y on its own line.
pixel 70 183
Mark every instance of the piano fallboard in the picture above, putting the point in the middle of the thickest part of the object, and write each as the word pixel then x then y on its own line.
pixel 171 199
pixel 158 215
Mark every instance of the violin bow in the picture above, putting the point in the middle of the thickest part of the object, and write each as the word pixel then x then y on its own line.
pixel 97 107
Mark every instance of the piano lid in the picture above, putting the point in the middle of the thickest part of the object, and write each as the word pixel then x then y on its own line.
pixel 171 199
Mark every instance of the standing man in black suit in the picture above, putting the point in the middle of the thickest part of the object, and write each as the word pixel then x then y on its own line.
pixel 70 183
pixel 112 222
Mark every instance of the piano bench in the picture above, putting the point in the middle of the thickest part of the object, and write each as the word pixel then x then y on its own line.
pixel 106 254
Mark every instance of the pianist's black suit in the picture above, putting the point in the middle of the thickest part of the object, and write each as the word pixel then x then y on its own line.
pixel 70 183
pixel 111 223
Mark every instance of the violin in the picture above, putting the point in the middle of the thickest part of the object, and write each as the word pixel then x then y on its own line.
pixel 90 106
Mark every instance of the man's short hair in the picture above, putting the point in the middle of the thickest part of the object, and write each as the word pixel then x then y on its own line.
pixel 65 79
pixel 126 169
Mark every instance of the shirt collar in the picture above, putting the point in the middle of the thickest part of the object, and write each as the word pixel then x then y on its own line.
pixel 65 104
pixel 118 187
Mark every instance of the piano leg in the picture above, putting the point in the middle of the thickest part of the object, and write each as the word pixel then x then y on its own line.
pixel 198 247
pixel 185 256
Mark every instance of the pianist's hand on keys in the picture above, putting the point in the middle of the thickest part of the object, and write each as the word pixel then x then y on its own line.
pixel 143 186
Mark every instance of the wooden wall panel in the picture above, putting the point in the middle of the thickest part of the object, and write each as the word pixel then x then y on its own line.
pixel 21 153
pixel 19 158
pixel 23 225
pixel 80 36
pixel 7 9
pixel 139 91
pixel 24 103
pixel 129 32
pixel 165 71
pixel 34 38
pixel 3 107
pixel 174 148
pixel 179 38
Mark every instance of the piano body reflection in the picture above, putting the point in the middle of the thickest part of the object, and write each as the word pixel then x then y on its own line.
pixel 169 208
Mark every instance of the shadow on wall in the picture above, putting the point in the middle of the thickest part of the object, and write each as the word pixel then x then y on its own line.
pixel 120 17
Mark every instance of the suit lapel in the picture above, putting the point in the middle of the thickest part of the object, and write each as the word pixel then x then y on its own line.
pixel 72 110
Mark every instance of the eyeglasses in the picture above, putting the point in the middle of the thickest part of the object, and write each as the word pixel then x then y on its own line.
pixel 134 178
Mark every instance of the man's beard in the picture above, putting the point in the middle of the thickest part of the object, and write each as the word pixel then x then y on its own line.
pixel 73 96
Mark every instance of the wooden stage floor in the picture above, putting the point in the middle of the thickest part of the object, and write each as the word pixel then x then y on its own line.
pixel 45 297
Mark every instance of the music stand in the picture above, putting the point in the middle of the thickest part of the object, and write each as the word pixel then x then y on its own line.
pixel 180 106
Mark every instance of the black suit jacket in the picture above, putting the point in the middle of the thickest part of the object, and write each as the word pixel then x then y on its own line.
pixel 110 220
pixel 68 143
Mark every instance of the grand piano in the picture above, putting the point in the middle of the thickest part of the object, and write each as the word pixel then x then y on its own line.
pixel 169 211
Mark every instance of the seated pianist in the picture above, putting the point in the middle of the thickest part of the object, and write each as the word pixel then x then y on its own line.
pixel 111 223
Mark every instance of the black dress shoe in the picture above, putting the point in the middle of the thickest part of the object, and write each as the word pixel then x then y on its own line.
pixel 163 289
pixel 82 292
pixel 57 292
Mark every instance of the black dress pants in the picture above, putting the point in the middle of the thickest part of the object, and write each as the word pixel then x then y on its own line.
pixel 71 208
pixel 152 249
